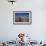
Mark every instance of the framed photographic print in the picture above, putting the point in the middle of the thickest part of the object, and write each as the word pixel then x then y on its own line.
pixel 22 17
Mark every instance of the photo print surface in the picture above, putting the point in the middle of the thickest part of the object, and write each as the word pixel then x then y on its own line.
pixel 22 17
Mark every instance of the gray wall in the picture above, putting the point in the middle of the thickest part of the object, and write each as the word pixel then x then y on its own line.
pixel 9 31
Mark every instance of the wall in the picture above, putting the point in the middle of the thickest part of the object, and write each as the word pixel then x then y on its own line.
pixel 9 31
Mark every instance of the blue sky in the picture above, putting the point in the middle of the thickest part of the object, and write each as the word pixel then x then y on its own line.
pixel 22 14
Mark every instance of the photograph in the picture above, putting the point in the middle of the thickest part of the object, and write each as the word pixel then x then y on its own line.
pixel 22 22
pixel 22 17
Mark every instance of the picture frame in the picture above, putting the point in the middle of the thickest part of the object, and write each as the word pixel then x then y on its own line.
pixel 22 17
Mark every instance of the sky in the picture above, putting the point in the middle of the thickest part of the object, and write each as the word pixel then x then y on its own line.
pixel 22 14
